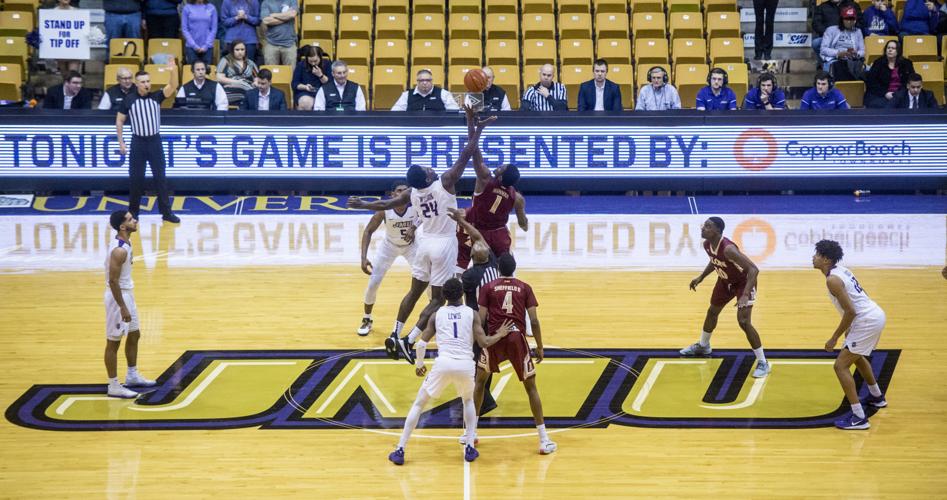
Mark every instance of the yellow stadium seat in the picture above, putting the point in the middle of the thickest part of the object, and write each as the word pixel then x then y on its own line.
pixel 572 78
pixel 739 77
pixel 126 50
pixel 920 48
pixel 574 6
pixel 646 6
pixel 318 25
pixel 21 5
pixel 611 25
pixel 575 25
pixel 14 23
pixel 455 76
pixel 391 53
pixel 160 76
pixel 10 80
pixel 502 25
pixel 318 7
pixel 539 52
pixel 465 52
pixel 465 7
pixel 360 75
pixel 617 6
pixel 854 92
pixel 624 76
pixel 466 26
pixel 689 51
pixel 388 82
pixel 648 25
pixel 726 50
pixel 685 25
pixel 720 6
pixel 427 53
pixel 615 51
pixel 326 44
pixel 356 6
pixel 684 6
pixel 392 6
pixel 537 6
pixel 111 73
pixel 173 46
pixel 689 79
pixel 391 25
pixel 542 26
pixel 875 46
pixel 427 25
pixel 933 75
pixel 437 74
pixel 357 25
pixel 641 73
pixel 282 79
pixel 723 24
pixel 651 51
pixel 503 52
pixel 428 6
pixel 502 6
pixel 576 52
pixel 508 77
pixel 355 51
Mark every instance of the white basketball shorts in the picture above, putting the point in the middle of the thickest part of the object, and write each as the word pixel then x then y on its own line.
pixel 447 371
pixel 115 328
pixel 865 332
pixel 436 259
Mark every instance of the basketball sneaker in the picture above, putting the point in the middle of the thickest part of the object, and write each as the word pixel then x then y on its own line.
pixel 852 422
pixel 874 401
pixel 397 457
pixel 696 350
pixel 547 447
pixel 366 327
pixel 136 380
pixel 407 349
pixel 470 453
pixel 762 369
pixel 391 346
pixel 463 439
pixel 119 391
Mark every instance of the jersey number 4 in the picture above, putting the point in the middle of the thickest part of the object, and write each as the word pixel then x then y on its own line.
pixel 507 303
pixel 429 209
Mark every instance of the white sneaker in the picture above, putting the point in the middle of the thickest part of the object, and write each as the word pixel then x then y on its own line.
pixel 366 327
pixel 547 447
pixel 119 391
pixel 696 350
pixel 137 380
pixel 762 369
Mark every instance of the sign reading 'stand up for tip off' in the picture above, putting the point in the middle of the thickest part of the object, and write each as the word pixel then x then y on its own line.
pixel 64 33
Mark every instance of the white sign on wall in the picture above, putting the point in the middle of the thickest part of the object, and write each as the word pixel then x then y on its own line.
pixel 64 33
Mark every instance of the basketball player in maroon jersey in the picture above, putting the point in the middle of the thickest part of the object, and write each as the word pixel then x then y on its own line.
pixel 736 277
pixel 508 300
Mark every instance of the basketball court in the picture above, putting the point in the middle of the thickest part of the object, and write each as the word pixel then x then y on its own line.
pixel 248 313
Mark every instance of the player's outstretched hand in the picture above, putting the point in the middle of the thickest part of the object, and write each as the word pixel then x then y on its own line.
pixel 505 329
pixel 694 283
pixel 420 370
pixel 366 266
pixel 355 202
pixel 830 344
pixel 456 213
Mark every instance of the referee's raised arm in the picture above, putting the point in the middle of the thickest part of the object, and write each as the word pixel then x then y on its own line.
pixel 172 87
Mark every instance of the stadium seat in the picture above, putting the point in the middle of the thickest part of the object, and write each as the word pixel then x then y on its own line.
pixel 392 7
pixel 689 51
pixel 428 26
pixel 391 26
pixel 920 48
pixel 651 51
pixel 611 25
pixel 428 6
pixel 541 26
pixel 172 46
pixel 356 7
pixel 502 25
pixel 648 25
pixel 723 24
pixel 21 5
pixel 685 25
pixel 639 6
pixel 14 23
pixel 641 73
pixel 502 52
pixel 575 25
pixel 502 7
pixel 355 51
pixel 854 92
pixel 537 6
pixel 720 6
pixel 465 52
pixel 427 53
pixel 616 6
pixel 615 51
pixel 576 52
pixel 466 26
pixel 933 75
pixel 455 77
pixel 357 25
pixel 689 79
pixel 572 77
pixel 111 73
pixel 318 25
pixel 391 53
pixel 388 82
pixel 465 7
pixel 539 52
pixel 875 46
pixel 508 77
pixel 318 7
pixel 726 50
pixel 124 50
pixel 574 7
pixel 362 76
pixel 10 80
pixel 437 74
pixel 624 76
pixel 739 77
pixel 282 79
pixel 160 76
pixel 327 46
pixel 684 6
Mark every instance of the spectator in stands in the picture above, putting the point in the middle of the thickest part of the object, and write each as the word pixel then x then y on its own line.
pixel 766 94
pixel 122 19
pixel 66 66
pixel 823 95
pixel 114 96
pixel 264 97
pixel 202 92
pixel 162 19
pixel 717 95
pixel 888 74
pixel 240 19
pixel 236 72
pixel 879 20
pixel 914 95
pixel 341 94
pixel 199 27
pixel 494 97
pixel 426 96
pixel 843 48
pixel 599 93
pixel 308 76
pixel 765 11
pixel 920 17
pixel 826 15
pixel 279 17
pixel 659 95
pixel 69 94
pixel 545 95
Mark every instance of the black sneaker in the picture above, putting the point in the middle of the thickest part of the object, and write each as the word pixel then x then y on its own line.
pixel 391 346
pixel 407 349
pixel 174 219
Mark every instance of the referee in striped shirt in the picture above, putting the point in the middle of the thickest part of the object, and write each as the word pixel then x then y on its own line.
pixel 144 109
pixel 546 95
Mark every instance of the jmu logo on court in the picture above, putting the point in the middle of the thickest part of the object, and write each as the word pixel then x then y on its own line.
pixel 327 389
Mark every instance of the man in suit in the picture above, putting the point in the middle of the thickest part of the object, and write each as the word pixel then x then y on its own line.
pixel 264 97
pixel 914 96
pixel 600 93
pixel 69 94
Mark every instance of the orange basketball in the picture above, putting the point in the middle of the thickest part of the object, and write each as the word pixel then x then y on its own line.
pixel 475 80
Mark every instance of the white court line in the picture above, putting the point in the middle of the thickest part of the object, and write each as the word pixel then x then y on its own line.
pixel 466 478
pixel 378 393
pixel 501 385
pixel 348 377
pixel 799 362
pixel 653 377
pixel 750 400
pixel 61 410
pixel 207 381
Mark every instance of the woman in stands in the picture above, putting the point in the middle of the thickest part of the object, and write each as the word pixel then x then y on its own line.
pixel 199 28
pixel 310 73
pixel 888 74
pixel 236 72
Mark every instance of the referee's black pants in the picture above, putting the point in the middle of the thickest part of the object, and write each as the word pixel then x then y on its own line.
pixel 147 150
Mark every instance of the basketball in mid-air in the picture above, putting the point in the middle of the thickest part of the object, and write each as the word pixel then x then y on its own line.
pixel 475 80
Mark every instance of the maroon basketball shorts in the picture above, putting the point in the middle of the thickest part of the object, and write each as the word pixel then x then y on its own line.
pixel 725 292
pixel 513 349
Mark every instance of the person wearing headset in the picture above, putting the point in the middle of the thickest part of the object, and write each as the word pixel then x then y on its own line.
pixel 823 95
pixel 766 94
pixel 658 95
pixel 717 95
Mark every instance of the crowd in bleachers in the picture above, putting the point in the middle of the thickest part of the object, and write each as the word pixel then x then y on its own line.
pixel 541 55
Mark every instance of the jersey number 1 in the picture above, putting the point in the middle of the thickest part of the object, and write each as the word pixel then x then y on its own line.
pixel 455 329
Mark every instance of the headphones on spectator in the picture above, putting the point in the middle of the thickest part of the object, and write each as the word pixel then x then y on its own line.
pixel 719 71
pixel 662 70
pixel 767 76
pixel 824 75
